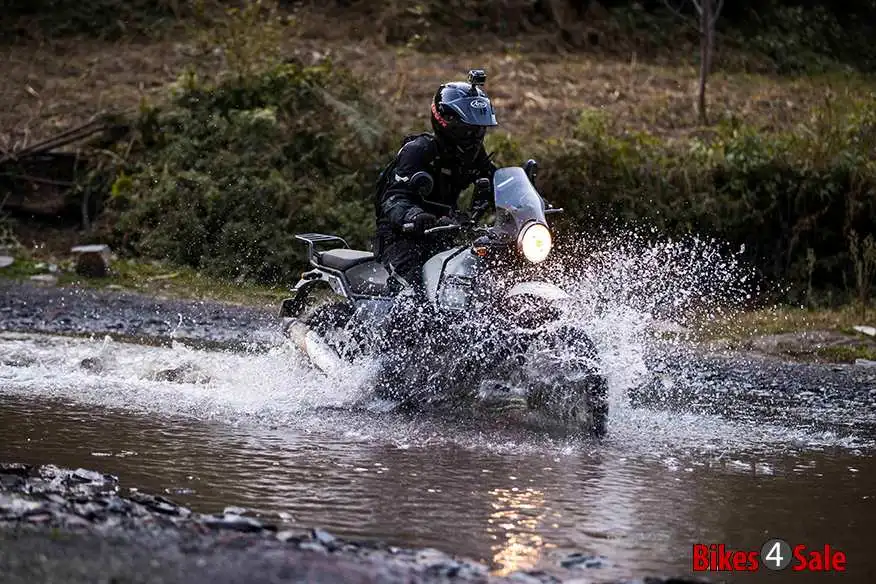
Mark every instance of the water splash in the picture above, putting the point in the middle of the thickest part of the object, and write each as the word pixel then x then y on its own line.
pixel 175 380
pixel 627 291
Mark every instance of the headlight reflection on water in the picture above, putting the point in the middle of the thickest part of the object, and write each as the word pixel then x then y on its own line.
pixel 515 521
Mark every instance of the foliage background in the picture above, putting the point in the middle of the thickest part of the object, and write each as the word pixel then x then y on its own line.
pixel 222 171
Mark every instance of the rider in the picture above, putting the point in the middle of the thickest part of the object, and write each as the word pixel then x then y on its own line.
pixel 453 155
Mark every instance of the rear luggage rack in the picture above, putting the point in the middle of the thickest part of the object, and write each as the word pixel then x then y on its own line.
pixel 315 239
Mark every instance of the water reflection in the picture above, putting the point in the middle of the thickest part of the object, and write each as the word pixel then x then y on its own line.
pixel 512 507
pixel 515 521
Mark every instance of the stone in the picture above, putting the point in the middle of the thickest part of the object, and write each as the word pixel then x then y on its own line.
pixel 313 547
pixel 287 535
pixel 578 560
pixel 88 476
pixel 45 279
pixel 865 363
pixel 92 364
pixel 16 468
pixel 234 522
pixel 92 261
pixel 323 537
pixel 6 261
pixel 865 330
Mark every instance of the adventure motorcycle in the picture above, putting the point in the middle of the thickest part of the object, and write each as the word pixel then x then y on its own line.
pixel 482 332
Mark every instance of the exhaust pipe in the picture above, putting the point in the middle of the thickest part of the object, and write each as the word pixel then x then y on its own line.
pixel 321 355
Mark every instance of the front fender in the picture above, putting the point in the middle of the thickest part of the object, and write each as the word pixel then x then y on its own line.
pixel 539 289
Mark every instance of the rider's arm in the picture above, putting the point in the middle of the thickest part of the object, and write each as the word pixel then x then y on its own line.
pixel 400 203
pixel 486 169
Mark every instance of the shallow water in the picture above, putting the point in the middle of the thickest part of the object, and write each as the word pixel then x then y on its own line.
pixel 261 431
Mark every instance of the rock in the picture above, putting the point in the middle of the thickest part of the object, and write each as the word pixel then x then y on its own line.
pixel 287 536
pixel 312 546
pixel 323 537
pixel 47 279
pixel 92 364
pixel 865 363
pixel 40 517
pixel 165 508
pixel 578 560
pixel 234 522
pixel 865 330
pixel 15 468
pixel 235 511
pixel 6 261
pixel 92 261
pixel 88 476
pixel 185 373
pixel 18 507
pixel 10 482
pixel 523 578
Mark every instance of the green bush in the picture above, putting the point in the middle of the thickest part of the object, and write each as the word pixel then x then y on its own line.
pixel 786 198
pixel 224 177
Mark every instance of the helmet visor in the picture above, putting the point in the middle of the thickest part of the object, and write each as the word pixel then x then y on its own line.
pixel 465 134
pixel 476 111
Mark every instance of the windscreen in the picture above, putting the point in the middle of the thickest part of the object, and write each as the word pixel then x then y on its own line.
pixel 517 201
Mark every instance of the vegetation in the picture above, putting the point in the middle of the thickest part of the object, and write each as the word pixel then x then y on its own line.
pixel 792 199
pixel 222 168
pixel 225 176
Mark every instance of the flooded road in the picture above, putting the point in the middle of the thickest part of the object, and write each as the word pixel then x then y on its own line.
pixel 258 430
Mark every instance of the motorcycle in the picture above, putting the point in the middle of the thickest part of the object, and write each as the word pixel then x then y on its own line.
pixel 482 332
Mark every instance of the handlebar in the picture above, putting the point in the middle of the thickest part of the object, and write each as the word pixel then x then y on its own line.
pixel 409 228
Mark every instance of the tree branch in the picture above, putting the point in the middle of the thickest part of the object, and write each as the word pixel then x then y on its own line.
pixel 678 13
pixel 675 10
pixel 717 13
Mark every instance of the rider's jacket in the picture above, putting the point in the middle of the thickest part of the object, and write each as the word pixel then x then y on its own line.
pixel 396 203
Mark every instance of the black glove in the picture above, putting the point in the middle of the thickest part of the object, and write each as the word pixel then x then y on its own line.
pixel 421 222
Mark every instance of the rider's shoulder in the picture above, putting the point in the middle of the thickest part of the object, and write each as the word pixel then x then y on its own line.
pixel 418 145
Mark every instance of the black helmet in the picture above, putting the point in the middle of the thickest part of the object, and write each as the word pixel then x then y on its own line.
pixel 461 113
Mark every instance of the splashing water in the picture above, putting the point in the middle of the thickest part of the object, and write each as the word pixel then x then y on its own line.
pixel 624 291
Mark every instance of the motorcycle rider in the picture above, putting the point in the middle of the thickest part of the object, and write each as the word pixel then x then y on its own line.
pixel 454 156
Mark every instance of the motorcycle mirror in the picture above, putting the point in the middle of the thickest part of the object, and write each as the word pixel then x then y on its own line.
pixel 422 183
pixel 531 169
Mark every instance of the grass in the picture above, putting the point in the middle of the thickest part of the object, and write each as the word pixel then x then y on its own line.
pixel 150 277
pixel 825 335
pixel 785 319
pixel 846 354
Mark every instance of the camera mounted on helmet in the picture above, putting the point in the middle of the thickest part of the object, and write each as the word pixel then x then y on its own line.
pixel 477 77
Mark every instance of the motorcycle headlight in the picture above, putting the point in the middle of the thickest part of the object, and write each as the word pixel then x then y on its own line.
pixel 535 243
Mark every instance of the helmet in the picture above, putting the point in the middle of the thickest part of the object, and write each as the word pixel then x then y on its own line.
pixel 461 113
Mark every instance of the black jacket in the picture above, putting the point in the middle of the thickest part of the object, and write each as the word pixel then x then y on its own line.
pixel 398 204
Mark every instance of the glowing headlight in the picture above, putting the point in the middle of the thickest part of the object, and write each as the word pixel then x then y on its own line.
pixel 535 243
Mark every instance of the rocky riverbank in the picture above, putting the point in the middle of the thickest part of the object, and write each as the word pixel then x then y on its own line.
pixel 65 525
